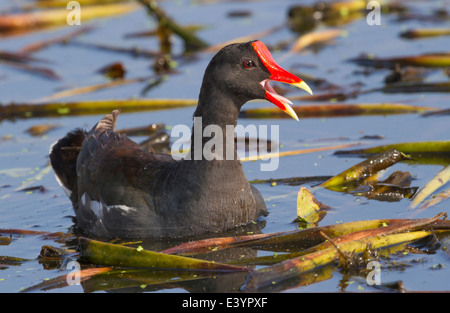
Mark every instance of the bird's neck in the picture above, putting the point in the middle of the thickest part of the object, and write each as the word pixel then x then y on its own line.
pixel 214 121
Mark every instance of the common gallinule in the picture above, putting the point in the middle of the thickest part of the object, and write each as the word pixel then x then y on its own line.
pixel 120 190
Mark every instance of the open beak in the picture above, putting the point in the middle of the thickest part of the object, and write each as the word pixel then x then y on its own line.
pixel 280 75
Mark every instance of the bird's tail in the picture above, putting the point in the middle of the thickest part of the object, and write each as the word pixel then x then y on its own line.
pixel 63 158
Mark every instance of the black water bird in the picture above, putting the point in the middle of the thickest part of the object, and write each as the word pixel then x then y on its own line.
pixel 120 190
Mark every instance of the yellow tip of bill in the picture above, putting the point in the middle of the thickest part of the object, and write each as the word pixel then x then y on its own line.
pixel 304 86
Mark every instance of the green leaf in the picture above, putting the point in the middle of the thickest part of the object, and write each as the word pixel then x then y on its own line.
pixel 309 210
pixel 336 109
pixel 101 253
pixel 364 170
pixel 425 33
pixel 58 16
pixel 332 249
pixel 427 60
pixel 435 183
pixel 421 152
pixel 90 107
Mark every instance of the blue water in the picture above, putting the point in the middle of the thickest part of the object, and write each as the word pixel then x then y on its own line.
pixel 23 157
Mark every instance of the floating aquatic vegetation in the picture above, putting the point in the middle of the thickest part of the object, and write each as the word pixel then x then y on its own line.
pixel 394 188
pixel 303 18
pixel 414 149
pixel 41 129
pixel 437 112
pixel 63 281
pixel 113 71
pixel 310 39
pixel 101 253
pixel 337 109
pixel 63 3
pixel 133 51
pixel 306 250
pixel 58 17
pixel 272 277
pixel 435 199
pixel 290 244
pixel 407 74
pixel 310 211
pixel 315 37
pixel 191 41
pixel 412 87
pixel 364 170
pixel 427 60
pixel 34 47
pixel 425 33
pixel 435 183
pixel 294 152
pixel 17 110
pixel 36 70
pixel 91 88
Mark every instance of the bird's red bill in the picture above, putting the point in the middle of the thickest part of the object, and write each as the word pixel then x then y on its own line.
pixel 278 74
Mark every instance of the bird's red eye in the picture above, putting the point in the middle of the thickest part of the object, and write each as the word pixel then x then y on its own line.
pixel 248 64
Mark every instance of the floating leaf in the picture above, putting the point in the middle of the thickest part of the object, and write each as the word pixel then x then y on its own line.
pixel 134 51
pixel 413 148
pixel 113 71
pixel 97 252
pixel 289 153
pixel 341 109
pixel 333 95
pixel 309 210
pixel 435 183
pixel 215 244
pixel 410 87
pixel 63 3
pixel 58 17
pixel 425 33
pixel 287 240
pixel 438 112
pixel 394 188
pixel 292 181
pixel 62 281
pixel 58 236
pixel 63 39
pixel 41 129
pixel 145 279
pixel 314 38
pixel 409 74
pixel 91 88
pixel 436 199
pixel 91 107
pixel 4 241
pixel 311 38
pixel 302 18
pixel 8 260
pixel 38 70
pixel 17 57
pixel 428 60
pixel 52 253
pixel 364 169
pixel 268 278
pixel 329 251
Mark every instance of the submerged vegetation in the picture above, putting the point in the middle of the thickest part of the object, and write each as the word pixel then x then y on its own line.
pixel 272 261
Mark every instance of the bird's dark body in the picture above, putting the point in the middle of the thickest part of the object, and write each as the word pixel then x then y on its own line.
pixel 120 190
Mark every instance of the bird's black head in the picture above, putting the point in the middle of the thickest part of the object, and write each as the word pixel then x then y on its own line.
pixel 242 71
